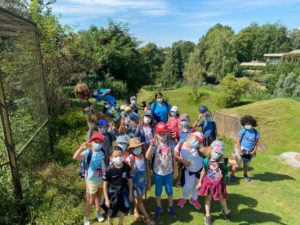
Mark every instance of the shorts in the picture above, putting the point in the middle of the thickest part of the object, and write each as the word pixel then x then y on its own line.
pixel 92 188
pixel 160 181
pixel 139 191
pixel 246 158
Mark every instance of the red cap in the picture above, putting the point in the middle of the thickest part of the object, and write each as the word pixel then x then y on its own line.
pixel 97 136
pixel 161 127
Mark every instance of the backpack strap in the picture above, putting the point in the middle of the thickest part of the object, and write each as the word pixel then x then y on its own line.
pixel 110 137
pixel 180 147
pixel 89 157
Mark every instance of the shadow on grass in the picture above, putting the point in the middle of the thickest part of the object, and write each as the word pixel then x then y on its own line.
pixel 246 216
pixel 182 215
pixel 271 177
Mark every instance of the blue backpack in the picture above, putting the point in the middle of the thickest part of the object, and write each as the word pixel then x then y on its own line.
pixel 85 163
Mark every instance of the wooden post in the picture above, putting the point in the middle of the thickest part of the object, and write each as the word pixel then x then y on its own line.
pixel 10 148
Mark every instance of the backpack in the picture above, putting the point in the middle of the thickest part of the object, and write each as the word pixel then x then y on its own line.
pixel 208 140
pixel 84 164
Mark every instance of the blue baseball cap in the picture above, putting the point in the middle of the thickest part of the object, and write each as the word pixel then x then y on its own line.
pixel 203 109
pixel 102 122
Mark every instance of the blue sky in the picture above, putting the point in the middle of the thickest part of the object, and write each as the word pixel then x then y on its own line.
pixel 164 21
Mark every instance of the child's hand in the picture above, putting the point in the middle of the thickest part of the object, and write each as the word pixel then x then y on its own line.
pixel 84 146
pixel 107 203
pixel 198 186
pixel 186 163
pixel 152 142
pixel 130 198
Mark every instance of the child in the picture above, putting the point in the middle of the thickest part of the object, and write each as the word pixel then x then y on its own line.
pixel 246 145
pixel 105 130
pixel 141 177
pixel 133 104
pixel 174 122
pixel 146 129
pixel 161 148
pixel 93 174
pixel 212 181
pixel 185 128
pixel 117 186
pixel 188 154
pixel 208 128
pixel 202 112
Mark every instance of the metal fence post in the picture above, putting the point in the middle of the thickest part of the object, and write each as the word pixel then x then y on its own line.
pixel 10 147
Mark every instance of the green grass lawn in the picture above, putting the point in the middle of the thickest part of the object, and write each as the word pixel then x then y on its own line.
pixel 273 198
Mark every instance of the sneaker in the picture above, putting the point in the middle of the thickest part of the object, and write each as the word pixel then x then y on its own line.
pixel 171 211
pixel 86 221
pixel 207 220
pixel 181 203
pixel 232 178
pixel 246 178
pixel 100 217
pixel 226 216
pixel 195 203
pixel 158 212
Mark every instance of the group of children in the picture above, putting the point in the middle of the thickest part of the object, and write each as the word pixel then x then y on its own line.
pixel 119 162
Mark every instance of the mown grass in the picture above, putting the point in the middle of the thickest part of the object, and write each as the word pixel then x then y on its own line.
pixel 273 198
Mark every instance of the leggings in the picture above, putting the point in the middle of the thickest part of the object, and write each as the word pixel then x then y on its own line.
pixel 166 180
pixel 191 181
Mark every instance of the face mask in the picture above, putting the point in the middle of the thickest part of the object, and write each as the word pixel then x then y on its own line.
pixel 97 146
pixel 248 127
pixel 123 146
pixel 208 119
pixel 160 100
pixel 194 144
pixel 133 128
pixel 118 160
pixel 147 120
pixel 215 156
pixel 184 123
pixel 102 130
pixel 173 113
pixel 163 138
pixel 137 151
pixel 133 102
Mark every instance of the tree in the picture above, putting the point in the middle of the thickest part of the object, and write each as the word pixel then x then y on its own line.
pixel 232 89
pixel 218 51
pixel 295 38
pixel 194 72
pixel 153 58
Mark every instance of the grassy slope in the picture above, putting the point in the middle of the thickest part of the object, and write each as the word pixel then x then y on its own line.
pixel 271 199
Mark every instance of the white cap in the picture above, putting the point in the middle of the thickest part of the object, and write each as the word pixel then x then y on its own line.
pixel 174 108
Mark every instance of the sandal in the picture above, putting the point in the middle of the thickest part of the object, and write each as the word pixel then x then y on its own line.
pixel 148 221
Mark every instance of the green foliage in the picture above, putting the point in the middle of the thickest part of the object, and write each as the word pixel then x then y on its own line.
pixel 194 72
pixel 295 38
pixel 288 85
pixel 173 67
pixel 232 89
pixel 217 51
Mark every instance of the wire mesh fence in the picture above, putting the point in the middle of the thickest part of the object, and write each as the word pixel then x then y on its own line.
pixel 24 136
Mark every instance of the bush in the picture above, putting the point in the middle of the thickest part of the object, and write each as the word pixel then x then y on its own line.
pixel 232 89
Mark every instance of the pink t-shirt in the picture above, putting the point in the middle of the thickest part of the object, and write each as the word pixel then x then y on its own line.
pixel 173 123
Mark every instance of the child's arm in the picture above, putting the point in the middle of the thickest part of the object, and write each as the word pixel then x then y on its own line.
pixel 255 147
pixel 149 152
pixel 203 172
pixel 78 154
pixel 238 145
pixel 181 160
pixel 105 192
pixel 130 189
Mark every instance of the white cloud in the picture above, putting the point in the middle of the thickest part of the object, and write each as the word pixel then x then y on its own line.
pixel 110 7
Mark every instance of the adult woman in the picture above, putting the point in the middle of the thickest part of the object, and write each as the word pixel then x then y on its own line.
pixel 160 108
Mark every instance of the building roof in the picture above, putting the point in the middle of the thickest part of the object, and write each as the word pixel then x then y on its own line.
pixel 253 63
pixel 274 54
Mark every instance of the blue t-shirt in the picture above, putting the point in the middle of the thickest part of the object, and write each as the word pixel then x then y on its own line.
pixel 248 140
pixel 96 167
pixel 107 98
pixel 161 111
pixel 183 135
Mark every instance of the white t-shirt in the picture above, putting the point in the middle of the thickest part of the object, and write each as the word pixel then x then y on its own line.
pixel 193 157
